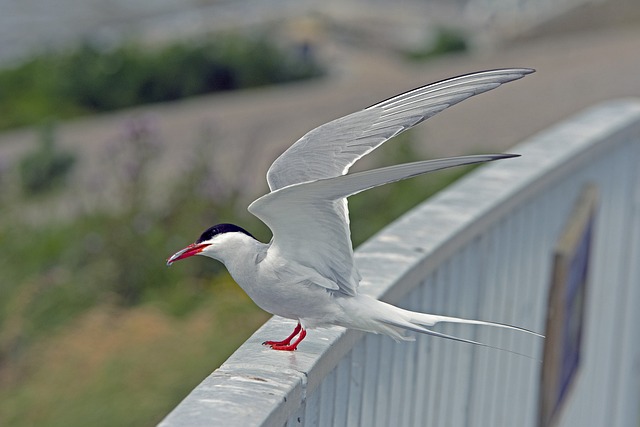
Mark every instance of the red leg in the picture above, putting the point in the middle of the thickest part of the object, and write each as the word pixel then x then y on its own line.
pixel 293 346
pixel 287 340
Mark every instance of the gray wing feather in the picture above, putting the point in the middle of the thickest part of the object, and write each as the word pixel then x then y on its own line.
pixel 331 149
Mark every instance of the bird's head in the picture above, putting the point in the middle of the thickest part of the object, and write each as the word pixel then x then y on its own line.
pixel 213 242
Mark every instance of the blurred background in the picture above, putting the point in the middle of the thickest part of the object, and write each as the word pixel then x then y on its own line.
pixel 127 128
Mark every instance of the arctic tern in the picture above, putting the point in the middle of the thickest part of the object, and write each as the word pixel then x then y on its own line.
pixel 307 271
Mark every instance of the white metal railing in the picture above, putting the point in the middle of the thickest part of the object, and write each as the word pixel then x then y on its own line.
pixel 480 249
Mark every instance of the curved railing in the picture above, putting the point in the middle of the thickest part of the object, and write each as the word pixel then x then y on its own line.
pixel 480 249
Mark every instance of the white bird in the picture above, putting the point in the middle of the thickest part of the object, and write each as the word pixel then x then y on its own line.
pixel 307 271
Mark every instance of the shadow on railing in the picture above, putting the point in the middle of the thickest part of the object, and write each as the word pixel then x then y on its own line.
pixel 481 249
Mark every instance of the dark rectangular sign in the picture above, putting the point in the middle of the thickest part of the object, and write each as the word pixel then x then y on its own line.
pixel 565 310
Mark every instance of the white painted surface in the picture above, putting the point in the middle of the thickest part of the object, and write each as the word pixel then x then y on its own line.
pixel 481 249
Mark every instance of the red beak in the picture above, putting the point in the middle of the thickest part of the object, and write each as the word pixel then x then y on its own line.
pixel 191 250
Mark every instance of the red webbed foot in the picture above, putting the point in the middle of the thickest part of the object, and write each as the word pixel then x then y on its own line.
pixel 285 344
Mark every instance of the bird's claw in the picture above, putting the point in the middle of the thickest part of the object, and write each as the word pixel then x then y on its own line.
pixel 289 347
pixel 285 344
pixel 280 345
pixel 272 343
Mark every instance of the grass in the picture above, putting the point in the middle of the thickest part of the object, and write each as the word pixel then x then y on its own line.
pixel 125 367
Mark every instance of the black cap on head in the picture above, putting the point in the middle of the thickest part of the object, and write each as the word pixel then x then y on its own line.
pixel 219 229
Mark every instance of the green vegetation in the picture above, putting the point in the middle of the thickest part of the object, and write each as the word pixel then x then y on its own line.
pixel 446 40
pixel 91 79
pixel 123 367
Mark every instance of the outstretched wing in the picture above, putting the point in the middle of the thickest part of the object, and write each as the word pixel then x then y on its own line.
pixel 330 150
pixel 309 222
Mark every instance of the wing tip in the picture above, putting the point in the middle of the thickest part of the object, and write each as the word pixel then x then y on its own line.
pixel 514 70
pixel 481 158
pixel 506 75
pixel 506 156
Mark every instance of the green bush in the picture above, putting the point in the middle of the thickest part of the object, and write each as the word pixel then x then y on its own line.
pixel 91 79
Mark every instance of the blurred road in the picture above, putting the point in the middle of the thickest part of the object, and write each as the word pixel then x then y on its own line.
pixel 249 129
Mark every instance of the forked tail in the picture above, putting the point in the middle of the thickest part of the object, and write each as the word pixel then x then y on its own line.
pixel 388 319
